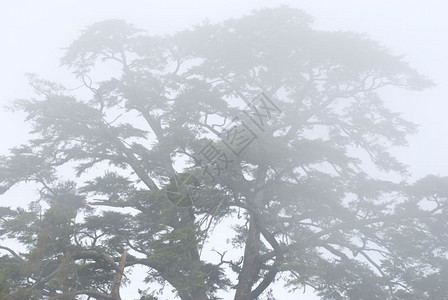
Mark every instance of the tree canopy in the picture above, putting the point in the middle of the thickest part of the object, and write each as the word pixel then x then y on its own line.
pixel 261 124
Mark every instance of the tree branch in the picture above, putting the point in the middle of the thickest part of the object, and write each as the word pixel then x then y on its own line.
pixel 12 252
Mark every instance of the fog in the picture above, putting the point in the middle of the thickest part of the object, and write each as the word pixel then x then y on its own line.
pixel 34 34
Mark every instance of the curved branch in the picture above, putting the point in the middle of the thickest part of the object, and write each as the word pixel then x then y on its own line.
pixel 12 252
pixel 266 282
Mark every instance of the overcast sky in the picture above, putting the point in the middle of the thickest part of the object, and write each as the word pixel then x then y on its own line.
pixel 33 34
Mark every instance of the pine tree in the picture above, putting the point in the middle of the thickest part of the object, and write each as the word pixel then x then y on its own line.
pixel 261 122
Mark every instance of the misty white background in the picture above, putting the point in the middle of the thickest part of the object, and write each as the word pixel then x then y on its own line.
pixel 34 33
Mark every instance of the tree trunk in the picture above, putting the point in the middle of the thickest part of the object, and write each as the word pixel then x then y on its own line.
pixel 248 274
pixel 250 270
pixel 118 277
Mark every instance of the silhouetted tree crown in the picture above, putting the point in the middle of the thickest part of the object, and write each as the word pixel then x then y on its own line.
pixel 260 124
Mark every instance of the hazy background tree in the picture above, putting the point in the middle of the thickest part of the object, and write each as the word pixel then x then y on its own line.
pixel 153 110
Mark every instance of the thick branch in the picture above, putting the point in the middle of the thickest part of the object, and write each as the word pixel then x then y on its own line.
pixel 12 252
pixel 131 159
pixel 95 255
pixel 267 280
pixel 357 224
